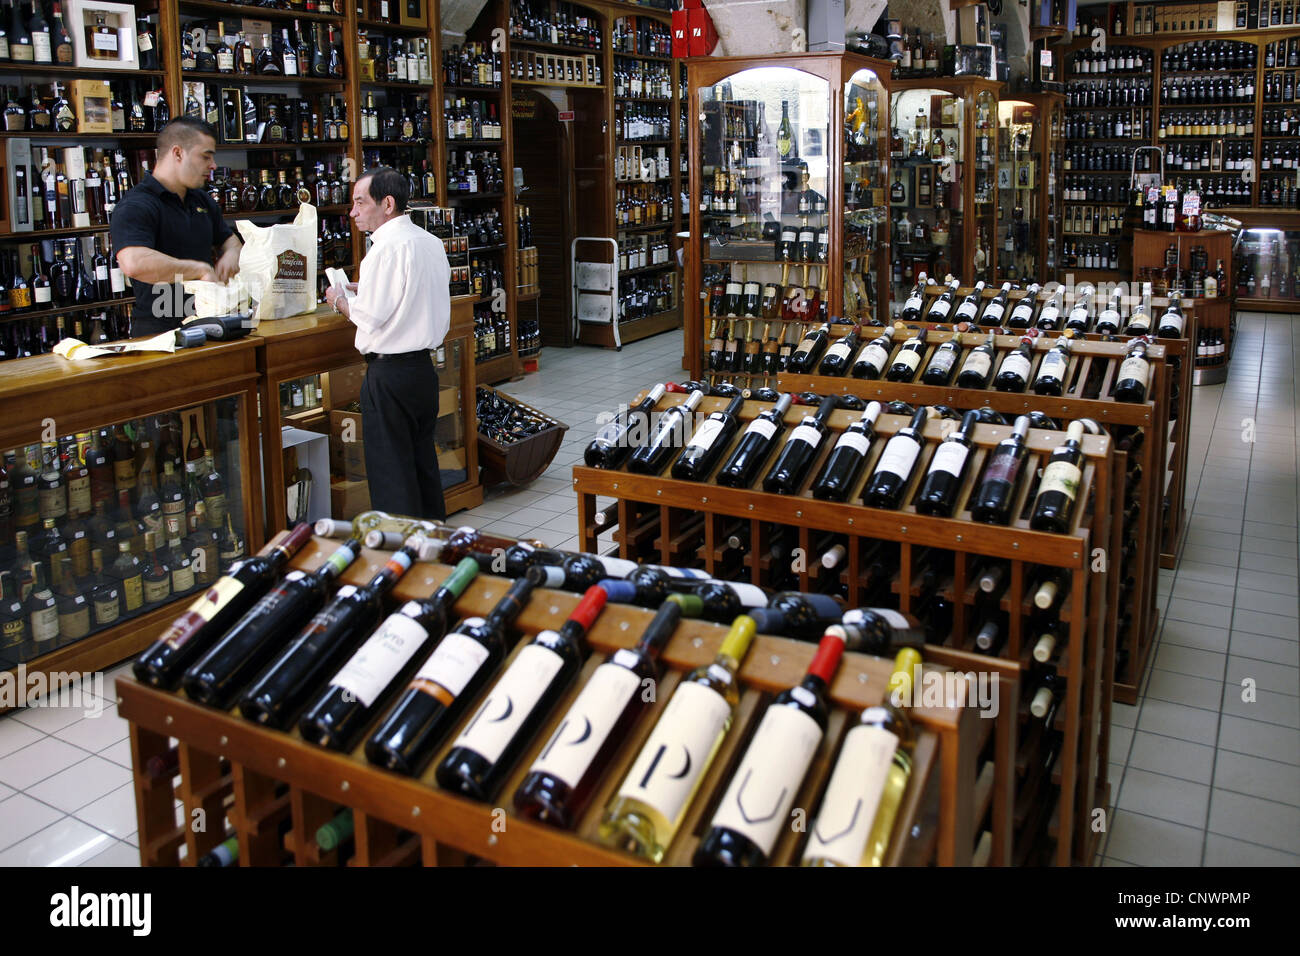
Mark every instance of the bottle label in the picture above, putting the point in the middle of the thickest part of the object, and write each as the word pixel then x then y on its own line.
pixel 993 314
pixel 107 606
pixel 45 625
pixel 1171 322
pixel 909 358
pixel 21 52
pixel 943 360
pixel 455 661
pixel 41 47
pixel 751 595
pixel 807 434
pixel 133 592
pixel 839 350
pixel 205 609
pixel 913 304
pixel 1005 466
pixel 763 788
pixel 967 310
pixel 1021 313
pixel 951 457
pixel 855 440
pixel 512 700
pixel 216 508
pixel 875 355
pixel 1135 368
pixel 707 434
pixel 155 591
pixel 1053 365
pixel 617 567
pixel 382 656
pixel 679 751
pixel 582 733
pixel 41 294
pixel 1061 476
pixel 899 456
pixel 182 578
pixel 852 797
pixel 1016 364
pixel 761 426
pixel 53 502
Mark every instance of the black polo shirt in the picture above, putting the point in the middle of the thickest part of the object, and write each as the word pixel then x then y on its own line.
pixel 153 216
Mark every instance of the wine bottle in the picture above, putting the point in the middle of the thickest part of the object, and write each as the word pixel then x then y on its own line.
pixel 1050 590
pixel 1023 314
pixel 990 637
pixel 970 305
pixel 939 489
pixel 991 503
pixel 1059 485
pixel 844 463
pixel 836 360
pixel 363 685
pixel 1078 317
pixel 708 443
pixel 977 369
pixel 1171 323
pixel 758 439
pixel 800 450
pixel 1109 320
pixel 647 810
pixel 239 654
pixel 487 749
pixel 718 601
pixel 908 359
pixel 1013 376
pixel 1049 320
pixel 795 614
pixel 858 810
pixel 897 462
pixel 1048 690
pixel 615 440
pixel 446 682
pixel 277 694
pixel 563 777
pixel 1050 379
pixel 942 306
pixel 939 369
pixel 1139 321
pixel 756 807
pixel 880 630
pixel 874 356
pixel 997 307
pixel 805 357
pixel 674 424
pixel 1134 374
pixel 208 617
pixel 912 306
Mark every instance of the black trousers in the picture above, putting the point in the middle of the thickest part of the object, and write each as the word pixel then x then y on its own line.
pixel 399 411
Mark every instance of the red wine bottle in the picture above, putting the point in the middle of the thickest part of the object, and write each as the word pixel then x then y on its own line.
pixel 805 357
pixel 800 450
pixel 1108 322
pixel 1050 379
pixel 942 306
pixel 208 617
pixel 279 692
pixel 674 425
pixel 1134 374
pixel 912 307
pixel 615 440
pixel 1078 319
pixel 795 614
pixel 367 681
pixel 844 463
pixel 719 601
pixel 970 306
pixel 649 586
pixel 709 442
pixel 1060 485
pixel 758 440
pixel 1013 376
pixel 874 356
pixel 978 367
pixel 908 359
pixel 880 631
pixel 897 462
pixel 938 492
pixel 836 360
pixel 239 655
pixel 448 680
pixel 487 750
pixel 939 369
pixel 1049 320
pixel 756 807
pixel 563 778
pixel 992 500
pixel 1022 316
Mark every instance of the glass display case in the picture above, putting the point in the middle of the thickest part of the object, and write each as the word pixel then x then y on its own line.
pixel 865 185
pixel 1028 172
pixel 1268 269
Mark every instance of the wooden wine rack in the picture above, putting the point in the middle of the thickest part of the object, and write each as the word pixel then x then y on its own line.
pixel 253 777
pixel 684 520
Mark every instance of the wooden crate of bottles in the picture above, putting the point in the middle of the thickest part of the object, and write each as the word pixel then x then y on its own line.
pixel 535 68
pixel 271 792
pixel 688 523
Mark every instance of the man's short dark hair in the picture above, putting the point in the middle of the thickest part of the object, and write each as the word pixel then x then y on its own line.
pixel 184 131
pixel 386 181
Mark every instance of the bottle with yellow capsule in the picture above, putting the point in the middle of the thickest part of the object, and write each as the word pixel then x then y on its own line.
pixel 857 814
pixel 653 798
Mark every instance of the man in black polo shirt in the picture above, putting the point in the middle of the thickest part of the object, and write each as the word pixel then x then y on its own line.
pixel 166 228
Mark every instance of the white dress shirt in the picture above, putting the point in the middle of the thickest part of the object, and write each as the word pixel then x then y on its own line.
pixel 403 302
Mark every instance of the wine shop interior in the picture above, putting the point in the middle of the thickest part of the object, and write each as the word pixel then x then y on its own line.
pixel 943 491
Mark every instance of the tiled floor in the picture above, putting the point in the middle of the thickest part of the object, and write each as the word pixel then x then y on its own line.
pixel 1206 768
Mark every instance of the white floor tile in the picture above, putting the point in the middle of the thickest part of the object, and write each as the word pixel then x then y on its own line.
pixel 14 735
pixel 96 733
pixel 118 854
pixel 113 813
pixel 68 842
pixel 37 761
pixel 21 816
pixel 80 784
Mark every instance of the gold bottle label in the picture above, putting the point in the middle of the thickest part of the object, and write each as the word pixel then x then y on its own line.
pixel 133 592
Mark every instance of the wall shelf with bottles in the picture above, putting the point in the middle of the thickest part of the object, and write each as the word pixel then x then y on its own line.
pixel 265 13
pixel 53 69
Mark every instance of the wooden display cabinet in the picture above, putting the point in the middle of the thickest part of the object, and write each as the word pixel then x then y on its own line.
pixel 1029 181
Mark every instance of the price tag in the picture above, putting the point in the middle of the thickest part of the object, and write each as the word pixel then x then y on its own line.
pixel 1045 58
pixel 151 98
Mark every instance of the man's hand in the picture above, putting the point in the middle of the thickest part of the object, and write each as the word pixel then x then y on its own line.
pixel 206 273
pixel 337 299
pixel 228 265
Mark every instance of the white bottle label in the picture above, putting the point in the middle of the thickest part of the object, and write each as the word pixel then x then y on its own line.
pixel 761 426
pixel 1061 476
pixel 993 314
pixel 41 294
pixel 117 280
pixel 679 751
pixel 1017 364
pixel 979 363
pixel 585 727
pixel 967 310
pixel 707 434
pixel 1022 312
pixel 913 303
pixel 808 434
pixel 1135 368
pixel 1054 364
pixel 951 457
pixel 899 456
pixel 761 793
pixel 617 567
pixel 1172 320
pixel 855 440
pixel 455 661
pixel 373 667
pixel 943 360
pixel 908 357
pixel 839 350
pixel 1049 316
pixel 849 808
pixel 875 355
pixel 750 594
pixel 41 47
pixel 511 701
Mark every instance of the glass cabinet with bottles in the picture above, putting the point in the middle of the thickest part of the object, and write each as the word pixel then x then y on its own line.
pixel 1028 171
pixel 128 485
pixel 788 170
pixel 943 180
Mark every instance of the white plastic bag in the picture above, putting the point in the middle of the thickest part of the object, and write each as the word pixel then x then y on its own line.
pixel 220 298
pixel 278 265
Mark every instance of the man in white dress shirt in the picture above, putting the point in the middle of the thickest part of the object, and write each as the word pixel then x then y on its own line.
pixel 402 309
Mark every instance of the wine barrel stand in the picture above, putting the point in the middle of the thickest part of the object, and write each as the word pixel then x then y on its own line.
pixel 523 461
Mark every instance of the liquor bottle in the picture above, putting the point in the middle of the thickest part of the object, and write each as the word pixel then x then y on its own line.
pixel 942 306
pixel 105 595
pixel 755 444
pixel 563 777
pixel 784 134
pixel 72 607
pixel 128 572
pixel 897 462
pixel 741 834
pixel 866 788
pixel 706 446
pixel 157 575
pixel 908 359
pixel 182 570
pixel 13 619
pixel 1134 374
pixel 800 450
pixel 939 369
pixel 1049 319
pixel 20 38
pixel 488 748
pixel 1108 321
pixel 1060 485
pixel 874 356
pixel 145 44
pixel 647 810
pixel 938 493
pixel 650 458
pixel 225 632
pixel 804 359
pixel 60 42
pixel 1171 322
pixel 1022 315
pixel 836 360
pixel 1013 376
pixel 970 305
pixel 40 33
pixel 42 613
pixel 912 306
pixel 443 687
pixel 1050 378
pixel 844 463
